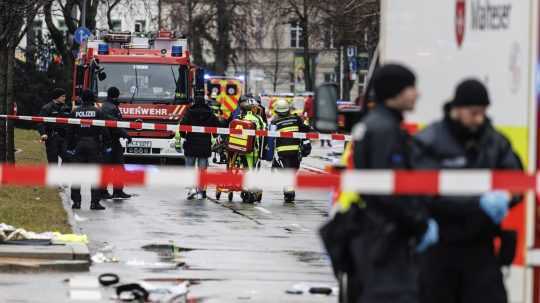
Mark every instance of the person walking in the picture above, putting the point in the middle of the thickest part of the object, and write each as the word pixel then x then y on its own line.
pixel 197 146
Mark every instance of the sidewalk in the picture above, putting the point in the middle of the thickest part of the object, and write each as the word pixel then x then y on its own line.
pixel 68 257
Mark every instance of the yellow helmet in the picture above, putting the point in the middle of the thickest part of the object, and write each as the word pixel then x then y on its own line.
pixel 282 106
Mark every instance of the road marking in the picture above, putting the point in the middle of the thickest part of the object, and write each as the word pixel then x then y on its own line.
pixel 235 210
pixel 262 209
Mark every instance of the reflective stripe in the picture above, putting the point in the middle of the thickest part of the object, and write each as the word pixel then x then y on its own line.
pixel 289 129
pixel 287 148
pixel 238 141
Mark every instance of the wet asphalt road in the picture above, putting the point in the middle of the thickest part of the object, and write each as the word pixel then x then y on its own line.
pixel 230 252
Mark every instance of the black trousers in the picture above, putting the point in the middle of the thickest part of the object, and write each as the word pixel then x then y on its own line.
pixel 289 160
pixel 464 273
pixel 87 150
pixel 115 158
pixel 55 147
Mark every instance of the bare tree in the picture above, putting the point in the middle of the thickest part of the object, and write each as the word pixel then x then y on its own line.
pixel 192 17
pixel 277 66
pixel 111 5
pixel 15 17
pixel 306 12
pixel 351 23
pixel 70 12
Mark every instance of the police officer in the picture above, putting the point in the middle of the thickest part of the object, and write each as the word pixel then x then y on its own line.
pixel 289 150
pixel 110 111
pixel 463 267
pixel 394 228
pixel 86 143
pixel 53 134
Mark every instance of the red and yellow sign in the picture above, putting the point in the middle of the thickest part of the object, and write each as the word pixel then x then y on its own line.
pixel 228 92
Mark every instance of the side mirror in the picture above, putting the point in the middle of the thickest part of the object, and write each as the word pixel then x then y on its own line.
pixel 102 76
pixel 182 85
pixel 326 110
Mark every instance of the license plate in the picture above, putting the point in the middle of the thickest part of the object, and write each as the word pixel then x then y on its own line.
pixel 145 144
pixel 138 150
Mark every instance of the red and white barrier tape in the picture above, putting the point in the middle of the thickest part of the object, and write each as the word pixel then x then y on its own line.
pixel 183 128
pixel 450 182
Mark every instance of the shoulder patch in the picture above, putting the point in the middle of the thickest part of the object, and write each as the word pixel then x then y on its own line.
pixel 359 131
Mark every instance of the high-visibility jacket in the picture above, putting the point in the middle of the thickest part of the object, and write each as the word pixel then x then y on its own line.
pixel 344 199
pixel 292 123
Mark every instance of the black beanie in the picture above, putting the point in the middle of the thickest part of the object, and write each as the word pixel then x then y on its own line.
pixel 57 93
pixel 88 96
pixel 389 80
pixel 113 92
pixel 471 92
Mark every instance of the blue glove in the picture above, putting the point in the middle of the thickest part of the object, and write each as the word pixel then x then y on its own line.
pixel 495 205
pixel 430 237
pixel 70 152
pixel 108 150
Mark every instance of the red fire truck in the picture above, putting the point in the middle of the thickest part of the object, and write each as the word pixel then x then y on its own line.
pixel 155 78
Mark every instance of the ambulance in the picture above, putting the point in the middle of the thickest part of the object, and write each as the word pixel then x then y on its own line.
pixel 495 41
pixel 226 91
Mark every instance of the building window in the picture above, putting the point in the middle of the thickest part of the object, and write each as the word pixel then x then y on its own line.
pixel 329 38
pixel 116 25
pixel 297 39
pixel 329 77
pixel 140 26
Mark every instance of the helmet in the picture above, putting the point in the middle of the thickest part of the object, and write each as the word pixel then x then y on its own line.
pixel 247 102
pixel 282 106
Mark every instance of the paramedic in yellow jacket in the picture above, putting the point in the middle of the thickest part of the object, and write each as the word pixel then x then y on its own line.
pixel 247 106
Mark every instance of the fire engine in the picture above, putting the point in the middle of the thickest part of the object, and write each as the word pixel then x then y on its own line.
pixel 155 78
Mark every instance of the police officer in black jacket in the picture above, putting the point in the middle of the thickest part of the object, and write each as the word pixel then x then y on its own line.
pixel 394 228
pixel 116 156
pixel 53 134
pixel 463 267
pixel 86 144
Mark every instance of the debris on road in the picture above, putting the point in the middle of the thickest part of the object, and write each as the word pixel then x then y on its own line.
pixel 10 233
pixel 304 288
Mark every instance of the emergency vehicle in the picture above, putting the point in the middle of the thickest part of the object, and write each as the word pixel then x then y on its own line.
pixel 496 41
pixel 226 91
pixel 296 102
pixel 154 75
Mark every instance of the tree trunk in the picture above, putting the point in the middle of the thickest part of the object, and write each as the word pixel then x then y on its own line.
pixel 30 51
pixel 307 58
pixel 4 53
pixel 190 25
pixel 6 92
pixel 223 50
pixel 10 134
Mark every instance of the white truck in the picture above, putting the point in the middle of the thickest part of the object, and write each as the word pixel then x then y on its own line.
pixel 496 41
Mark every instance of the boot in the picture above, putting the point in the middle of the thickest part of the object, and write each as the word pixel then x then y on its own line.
pixel 203 192
pixel 289 196
pixel 76 205
pixel 96 206
pixel 191 193
pixel 105 195
pixel 120 195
